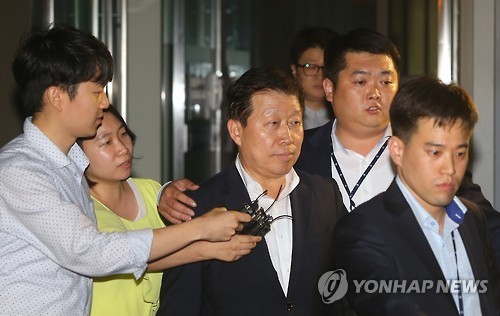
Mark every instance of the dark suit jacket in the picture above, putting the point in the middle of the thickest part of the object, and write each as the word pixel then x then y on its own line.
pixel 382 240
pixel 316 158
pixel 250 285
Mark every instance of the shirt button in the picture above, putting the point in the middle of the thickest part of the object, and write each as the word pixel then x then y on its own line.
pixel 289 306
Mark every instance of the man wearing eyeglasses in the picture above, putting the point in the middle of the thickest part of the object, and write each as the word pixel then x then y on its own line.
pixel 306 54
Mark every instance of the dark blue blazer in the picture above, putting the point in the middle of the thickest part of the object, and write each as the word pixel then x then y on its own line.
pixel 382 240
pixel 316 158
pixel 250 286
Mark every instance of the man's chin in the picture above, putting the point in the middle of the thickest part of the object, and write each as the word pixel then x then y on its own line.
pixel 90 135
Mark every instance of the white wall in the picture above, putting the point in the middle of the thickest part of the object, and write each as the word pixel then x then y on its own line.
pixel 143 91
pixel 477 67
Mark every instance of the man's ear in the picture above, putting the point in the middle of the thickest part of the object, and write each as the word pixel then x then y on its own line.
pixel 328 87
pixel 54 97
pixel 396 149
pixel 234 128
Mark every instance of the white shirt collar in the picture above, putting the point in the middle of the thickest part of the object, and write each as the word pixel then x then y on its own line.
pixel 255 189
pixel 423 217
pixel 337 145
pixel 48 149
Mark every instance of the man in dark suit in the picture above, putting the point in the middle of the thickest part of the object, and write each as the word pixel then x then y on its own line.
pixel 280 276
pixel 418 230
pixel 362 77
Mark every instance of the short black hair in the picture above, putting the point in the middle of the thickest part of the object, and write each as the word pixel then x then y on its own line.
pixel 429 97
pixel 361 40
pixel 239 95
pixel 61 56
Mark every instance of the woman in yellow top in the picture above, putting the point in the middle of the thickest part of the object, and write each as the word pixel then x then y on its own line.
pixel 122 203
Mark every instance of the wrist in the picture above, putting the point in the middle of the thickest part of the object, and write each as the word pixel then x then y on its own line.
pixel 160 192
pixel 206 250
pixel 198 228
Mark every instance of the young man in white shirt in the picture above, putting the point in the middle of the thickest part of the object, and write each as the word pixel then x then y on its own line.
pixel 49 243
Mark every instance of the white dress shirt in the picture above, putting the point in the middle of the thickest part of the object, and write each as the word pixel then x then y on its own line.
pixel 353 165
pixel 280 238
pixel 444 251
pixel 49 243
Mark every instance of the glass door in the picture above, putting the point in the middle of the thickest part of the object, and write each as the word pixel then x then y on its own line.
pixel 204 57
pixel 209 43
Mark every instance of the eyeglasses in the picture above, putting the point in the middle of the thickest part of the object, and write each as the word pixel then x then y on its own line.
pixel 310 69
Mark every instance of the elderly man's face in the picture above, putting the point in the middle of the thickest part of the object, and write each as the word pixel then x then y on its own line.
pixel 270 144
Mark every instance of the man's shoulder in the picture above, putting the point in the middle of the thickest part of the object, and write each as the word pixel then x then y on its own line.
pixel 18 154
pixel 372 210
pixel 317 133
pixel 322 189
pixel 214 191
pixel 214 182
pixel 316 148
pixel 319 185
pixel 371 218
pixel 480 216
pixel 314 179
pixel 376 202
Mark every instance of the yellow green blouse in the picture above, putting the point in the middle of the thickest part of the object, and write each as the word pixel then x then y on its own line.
pixel 122 294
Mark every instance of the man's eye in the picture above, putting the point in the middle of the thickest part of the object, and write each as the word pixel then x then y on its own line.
pixel 273 124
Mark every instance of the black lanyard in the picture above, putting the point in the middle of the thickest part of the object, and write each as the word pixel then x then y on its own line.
pixel 457 215
pixel 363 176
pixel 460 298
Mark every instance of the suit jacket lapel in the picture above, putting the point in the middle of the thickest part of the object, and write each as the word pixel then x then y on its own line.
pixel 260 258
pixel 409 229
pixel 471 241
pixel 301 204
pixel 474 248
